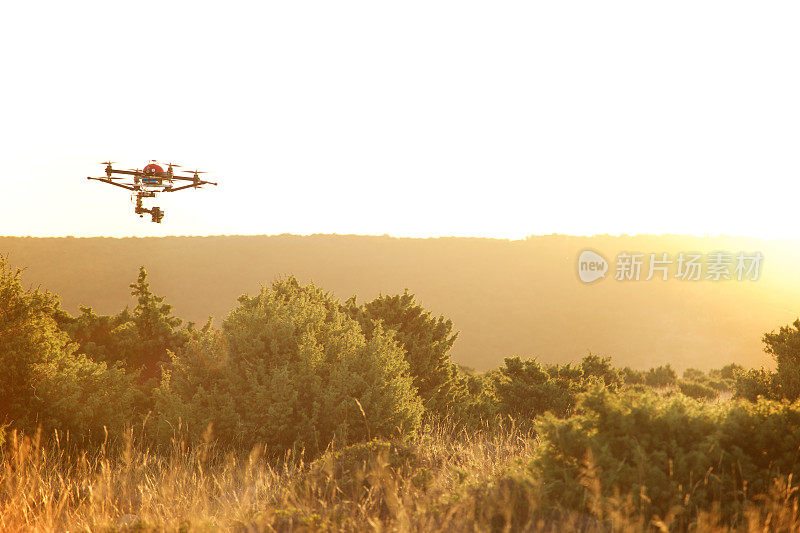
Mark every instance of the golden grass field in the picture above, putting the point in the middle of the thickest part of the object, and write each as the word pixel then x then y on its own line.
pixel 437 482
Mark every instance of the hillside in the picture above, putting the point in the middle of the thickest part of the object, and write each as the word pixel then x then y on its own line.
pixel 506 297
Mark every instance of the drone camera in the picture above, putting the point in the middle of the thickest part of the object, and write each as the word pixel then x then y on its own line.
pixel 157 214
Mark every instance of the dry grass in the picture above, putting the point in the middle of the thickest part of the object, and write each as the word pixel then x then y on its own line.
pixel 439 482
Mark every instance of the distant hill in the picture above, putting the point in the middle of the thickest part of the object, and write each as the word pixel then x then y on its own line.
pixel 506 297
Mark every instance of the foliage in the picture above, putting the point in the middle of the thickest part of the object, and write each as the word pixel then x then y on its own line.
pixel 696 390
pixel 662 376
pixel 292 371
pixel 426 340
pixel 526 389
pixel 43 382
pixel 754 384
pixel 693 374
pixel 784 347
pixel 600 369
pixel 729 371
pixel 667 453
pixel 631 376
pixel 140 340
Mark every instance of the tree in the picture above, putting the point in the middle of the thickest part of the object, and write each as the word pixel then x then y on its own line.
pixel 140 340
pixel 784 347
pixel 290 369
pixel 44 383
pixel 527 389
pixel 426 341
pixel 661 376
pixel 600 368
pixel 29 339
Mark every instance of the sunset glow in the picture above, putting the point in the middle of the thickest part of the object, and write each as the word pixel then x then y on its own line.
pixel 420 119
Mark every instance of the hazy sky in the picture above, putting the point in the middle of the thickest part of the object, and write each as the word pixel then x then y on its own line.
pixel 408 118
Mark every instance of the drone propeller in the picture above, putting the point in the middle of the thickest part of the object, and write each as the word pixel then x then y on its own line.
pixel 108 162
pixel 173 165
pixel 195 172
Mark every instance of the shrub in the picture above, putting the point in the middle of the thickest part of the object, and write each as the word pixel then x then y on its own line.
pixel 692 374
pixel 662 376
pixel 600 368
pixel 696 390
pixel 784 347
pixel 348 471
pixel 426 341
pixel 290 370
pixel 140 340
pixel 44 383
pixel 671 455
pixel 631 376
pixel 754 384
pixel 526 389
pixel 729 371
pixel 720 385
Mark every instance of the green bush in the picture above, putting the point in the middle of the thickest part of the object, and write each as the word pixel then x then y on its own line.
pixel 526 389
pixel 692 374
pixel 662 376
pixel 43 382
pixel 141 340
pixel 698 391
pixel 784 347
pixel 720 385
pixel 631 376
pixel 754 384
pixel 289 370
pixel 600 369
pixel 348 469
pixel 728 371
pixel 426 341
pixel 669 454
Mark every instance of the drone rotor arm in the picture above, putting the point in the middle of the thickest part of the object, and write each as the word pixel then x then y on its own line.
pixel 182 187
pixel 106 180
pixel 128 172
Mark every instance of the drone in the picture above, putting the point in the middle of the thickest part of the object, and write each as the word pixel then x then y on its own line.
pixel 149 181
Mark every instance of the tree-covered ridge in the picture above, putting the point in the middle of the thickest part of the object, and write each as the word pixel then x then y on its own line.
pixel 506 297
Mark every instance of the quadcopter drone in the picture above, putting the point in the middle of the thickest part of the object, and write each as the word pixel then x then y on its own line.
pixel 148 182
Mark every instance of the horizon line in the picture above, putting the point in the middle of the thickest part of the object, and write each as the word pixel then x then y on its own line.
pixel 407 237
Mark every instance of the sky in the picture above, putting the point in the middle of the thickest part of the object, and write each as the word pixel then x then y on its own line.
pixel 489 119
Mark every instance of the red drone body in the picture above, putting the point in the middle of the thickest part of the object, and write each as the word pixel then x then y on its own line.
pixel 152 168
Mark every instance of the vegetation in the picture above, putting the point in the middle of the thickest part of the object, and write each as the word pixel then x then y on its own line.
pixel 426 342
pixel 290 370
pixel 43 382
pixel 140 340
pixel 304 413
